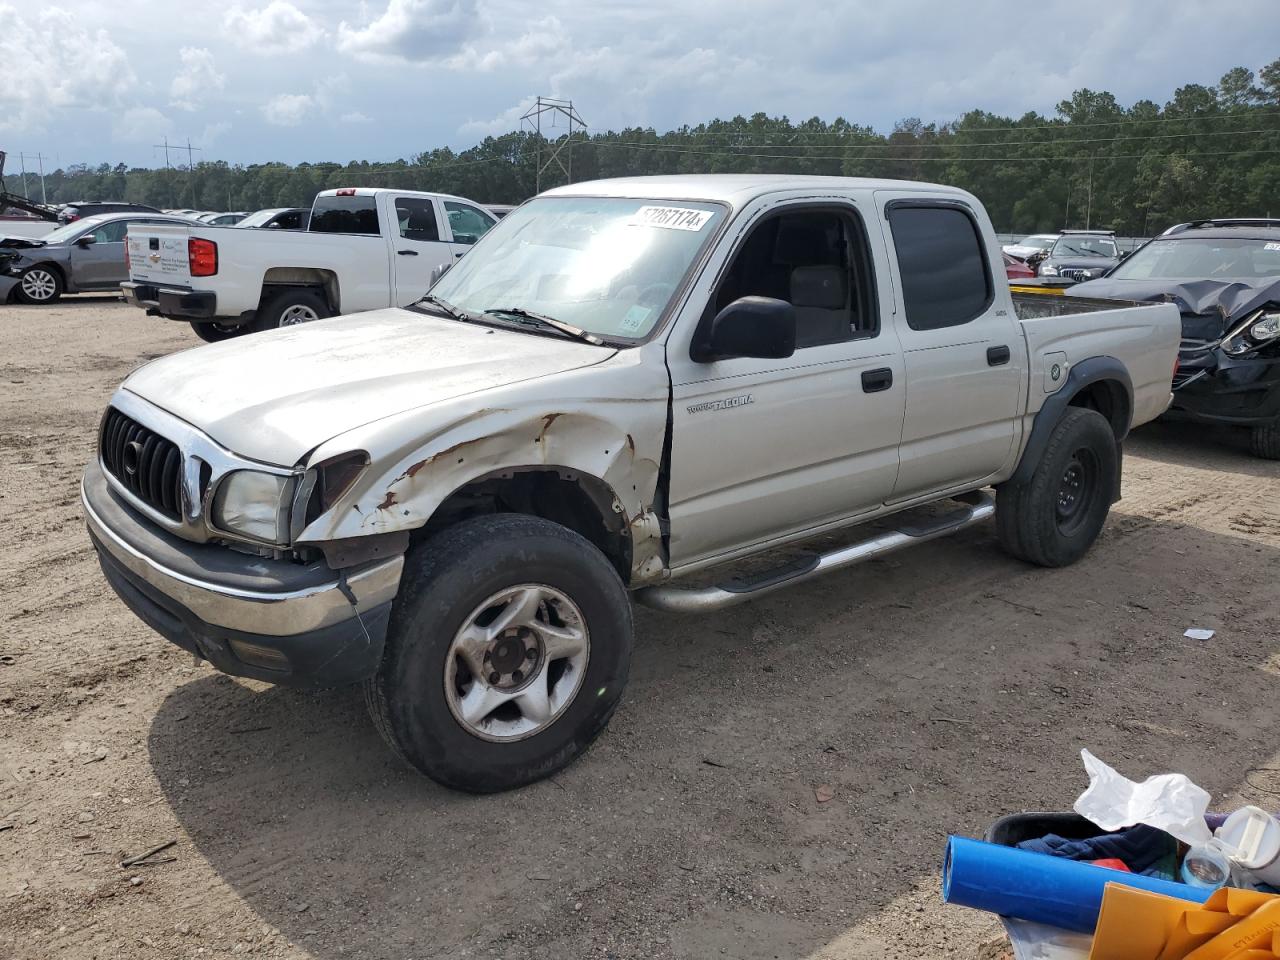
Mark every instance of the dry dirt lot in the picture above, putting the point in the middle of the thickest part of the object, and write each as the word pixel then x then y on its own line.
pixel 932 691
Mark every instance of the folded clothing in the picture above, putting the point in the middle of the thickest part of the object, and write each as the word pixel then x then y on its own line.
pixel 1144 849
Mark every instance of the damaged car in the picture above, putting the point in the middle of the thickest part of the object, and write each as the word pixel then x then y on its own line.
pixel 1224 276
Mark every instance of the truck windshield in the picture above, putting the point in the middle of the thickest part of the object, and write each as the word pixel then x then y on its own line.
pixel 346 214
pixel 605 264
pixel 1202 258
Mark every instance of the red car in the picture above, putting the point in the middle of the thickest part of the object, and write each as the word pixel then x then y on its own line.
pixel 1015 269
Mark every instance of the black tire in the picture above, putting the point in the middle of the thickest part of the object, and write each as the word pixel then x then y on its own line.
pixel 50 280
pixel 1264 441
pixel 217 332
pixel 445 580
pixel 276 308
pixel 1054 517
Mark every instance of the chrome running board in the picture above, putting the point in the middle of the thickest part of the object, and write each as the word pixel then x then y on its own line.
pixel 975 507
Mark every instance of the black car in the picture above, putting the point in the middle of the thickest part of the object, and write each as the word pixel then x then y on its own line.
pixel 1224 275
pixel 1080 255
pixel 90 208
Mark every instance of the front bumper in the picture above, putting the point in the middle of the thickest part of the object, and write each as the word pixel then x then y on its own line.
pixel 172 302
pixel 283 622
pixel 1214 387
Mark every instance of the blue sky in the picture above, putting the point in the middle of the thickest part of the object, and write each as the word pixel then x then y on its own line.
pixel 296 80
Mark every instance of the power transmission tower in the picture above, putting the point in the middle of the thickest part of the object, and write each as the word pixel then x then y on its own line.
pixel 39 158
pixel 561 150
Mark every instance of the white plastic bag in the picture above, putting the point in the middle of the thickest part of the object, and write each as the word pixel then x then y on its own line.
pixel 1169 802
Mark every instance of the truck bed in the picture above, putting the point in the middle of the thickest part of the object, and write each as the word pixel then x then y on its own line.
pixel 1031 306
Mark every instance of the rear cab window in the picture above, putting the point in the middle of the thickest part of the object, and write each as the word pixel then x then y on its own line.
pixel 946 281
pixel 345 214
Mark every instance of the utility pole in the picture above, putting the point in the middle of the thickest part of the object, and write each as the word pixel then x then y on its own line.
pixel 39 158
pixel 544 106
pixel 168 176
pixel 1088 210
pixel 191 172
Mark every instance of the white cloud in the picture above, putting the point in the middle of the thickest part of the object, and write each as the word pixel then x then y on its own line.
pixel 197 78
pixel 279 27
pixel 52 62
pixel 288 109
pixel 544 42
pixel 139 124
pixel 414 31
pixel 355 116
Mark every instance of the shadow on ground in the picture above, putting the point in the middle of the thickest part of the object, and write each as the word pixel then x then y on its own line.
pixel 932 691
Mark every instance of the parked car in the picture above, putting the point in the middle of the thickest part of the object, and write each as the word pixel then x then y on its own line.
pixel 1028 247
pixel 223 219
pixel 84 255
pixel 72 212
pixel 1224 276
pixel 1080 255
pixel 449 503
pixel 363 249
pixel 1015 269
pixel 278 218
pixel 500 210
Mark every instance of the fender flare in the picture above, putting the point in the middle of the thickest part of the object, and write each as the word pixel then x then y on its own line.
pixel 1081 375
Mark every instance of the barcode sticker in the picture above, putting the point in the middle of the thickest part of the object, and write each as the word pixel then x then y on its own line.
pixel 671 218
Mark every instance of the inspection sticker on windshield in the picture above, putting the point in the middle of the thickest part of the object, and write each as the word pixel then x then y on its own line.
pixel 634 318
pixel 671 218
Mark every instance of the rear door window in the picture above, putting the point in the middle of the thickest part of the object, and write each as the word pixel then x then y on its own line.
pixel 333 214
pixel 417 219
pixel 945 279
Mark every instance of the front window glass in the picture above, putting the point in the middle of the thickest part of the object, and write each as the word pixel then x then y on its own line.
pixel 1202 258
pixel 606 264
pixel 111 232
pixel 467 223
pixel 71 230
pixel 1085 247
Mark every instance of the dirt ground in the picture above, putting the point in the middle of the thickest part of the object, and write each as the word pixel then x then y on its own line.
pixel 932 692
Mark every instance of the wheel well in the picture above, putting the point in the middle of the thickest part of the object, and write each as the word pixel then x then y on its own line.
pixel 50 265
pixel 1109 398
pixel 324 282
pixel 574 500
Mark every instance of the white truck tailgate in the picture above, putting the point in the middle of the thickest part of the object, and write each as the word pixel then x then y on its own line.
pixel 158 254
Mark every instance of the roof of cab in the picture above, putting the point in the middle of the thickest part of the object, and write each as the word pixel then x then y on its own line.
pixel 735 188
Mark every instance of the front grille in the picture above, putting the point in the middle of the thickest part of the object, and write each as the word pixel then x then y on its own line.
pixel 147 464
pixel 1072 273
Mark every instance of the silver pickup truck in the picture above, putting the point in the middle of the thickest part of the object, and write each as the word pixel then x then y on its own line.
pixel 623 384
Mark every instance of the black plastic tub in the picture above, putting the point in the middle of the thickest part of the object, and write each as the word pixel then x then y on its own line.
pixel 1013 829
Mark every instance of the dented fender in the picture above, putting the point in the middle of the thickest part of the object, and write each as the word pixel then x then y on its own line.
pixel 601 434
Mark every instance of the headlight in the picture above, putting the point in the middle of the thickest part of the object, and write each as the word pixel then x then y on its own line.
pixel 1268 328
pixel 254 504
pixel 1048 270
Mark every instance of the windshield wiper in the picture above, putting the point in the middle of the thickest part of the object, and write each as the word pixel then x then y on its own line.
pixel 446 307
pixel 568 329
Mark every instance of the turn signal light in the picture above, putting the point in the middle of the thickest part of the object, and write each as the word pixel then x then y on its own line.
pixel 202 257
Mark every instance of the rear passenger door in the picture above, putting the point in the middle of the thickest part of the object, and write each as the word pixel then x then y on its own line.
pixel 962 345
pixel 763 449
pixel 417 246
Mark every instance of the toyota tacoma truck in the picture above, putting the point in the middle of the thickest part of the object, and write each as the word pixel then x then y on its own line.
pixel 363 249
pixel 628 388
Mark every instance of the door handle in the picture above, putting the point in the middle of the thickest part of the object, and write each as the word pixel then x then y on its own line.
pixel 407 253
pixel 997 356
pixel 876 381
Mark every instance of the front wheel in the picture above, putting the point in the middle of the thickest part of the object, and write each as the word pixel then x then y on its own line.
pixel 1264 441
pixel 507 652
pixel 40 285
pixel 1054 517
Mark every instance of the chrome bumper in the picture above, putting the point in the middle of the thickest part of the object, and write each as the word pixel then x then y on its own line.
pixel 255 600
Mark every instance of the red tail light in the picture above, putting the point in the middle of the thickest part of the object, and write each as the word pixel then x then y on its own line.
pixel 202 257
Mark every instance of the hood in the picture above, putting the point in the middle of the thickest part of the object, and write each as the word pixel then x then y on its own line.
pixel 1208 307
pixel 20 243
pixel 275 396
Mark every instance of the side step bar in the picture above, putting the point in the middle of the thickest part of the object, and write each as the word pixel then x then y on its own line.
pixel 976 507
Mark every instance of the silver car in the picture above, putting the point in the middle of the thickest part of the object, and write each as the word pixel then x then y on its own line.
pixel 81 256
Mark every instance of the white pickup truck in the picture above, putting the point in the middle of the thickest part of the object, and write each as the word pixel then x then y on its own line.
pixel 364 249
pixel 625 383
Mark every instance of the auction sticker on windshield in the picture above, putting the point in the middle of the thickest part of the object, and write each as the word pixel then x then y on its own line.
pixel 671 218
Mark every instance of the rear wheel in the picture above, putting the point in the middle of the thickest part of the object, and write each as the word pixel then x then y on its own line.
pixel 1053 518
pixel 507 652
pixel 289 308
pixel 39 284
pixel 216 332
pixel 1264 440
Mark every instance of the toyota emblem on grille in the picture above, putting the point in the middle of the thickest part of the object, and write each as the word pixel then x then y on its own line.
pixel 132 453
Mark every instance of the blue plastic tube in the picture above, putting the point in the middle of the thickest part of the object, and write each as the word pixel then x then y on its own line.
pixel 1037 887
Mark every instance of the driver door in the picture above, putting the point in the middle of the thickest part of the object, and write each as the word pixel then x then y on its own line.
pixel 100 265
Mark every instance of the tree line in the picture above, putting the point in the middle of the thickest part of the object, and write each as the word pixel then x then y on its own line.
pixel 1208 151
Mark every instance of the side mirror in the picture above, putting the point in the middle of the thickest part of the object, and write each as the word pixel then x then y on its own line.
pixel 467 238
pixel 87 240
pixel 749 327
pixel 1125 255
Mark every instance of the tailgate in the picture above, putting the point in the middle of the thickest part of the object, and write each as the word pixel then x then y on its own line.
pixel 158 254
